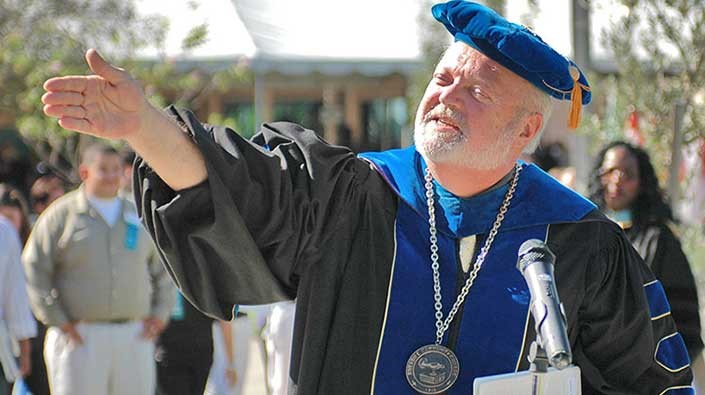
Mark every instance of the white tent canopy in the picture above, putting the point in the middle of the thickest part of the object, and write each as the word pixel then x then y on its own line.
pixel 227 36
pixel 296 37
pixel 339 29
pixel 361 29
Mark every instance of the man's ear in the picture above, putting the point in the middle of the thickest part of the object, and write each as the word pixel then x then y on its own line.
pixel 83 172
pixel 532 125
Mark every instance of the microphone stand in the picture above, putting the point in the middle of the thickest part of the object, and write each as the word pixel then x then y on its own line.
pixel 539 364
pixel 552 374
pixel 540 379
pixel 538 357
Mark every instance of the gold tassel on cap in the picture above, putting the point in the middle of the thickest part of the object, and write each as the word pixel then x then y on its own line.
pixel 576 98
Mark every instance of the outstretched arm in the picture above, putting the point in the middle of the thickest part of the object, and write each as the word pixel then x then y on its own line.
pixel 110 104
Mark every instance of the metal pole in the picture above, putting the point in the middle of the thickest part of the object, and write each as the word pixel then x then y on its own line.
pixel 259 101
pixel 580 13
pixel 673 172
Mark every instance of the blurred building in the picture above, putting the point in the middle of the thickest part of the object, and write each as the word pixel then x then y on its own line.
pixel 360 103
pixel 340 68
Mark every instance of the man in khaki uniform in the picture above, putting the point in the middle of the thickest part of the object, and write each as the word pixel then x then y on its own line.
pixel 94 278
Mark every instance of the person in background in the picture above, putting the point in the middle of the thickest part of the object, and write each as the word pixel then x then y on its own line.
pixel 184 352
pixel 43 192
pixel 230 356
pixel 231 377
pixel 16 321
pixel 94 279
pixel 550 155
pixel 624 185
pixel 565 175
pixel 13 207
pixel 278 334
pixel 127 156
pixel 554 159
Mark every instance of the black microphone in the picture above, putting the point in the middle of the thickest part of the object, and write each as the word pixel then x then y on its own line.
pixel 536 265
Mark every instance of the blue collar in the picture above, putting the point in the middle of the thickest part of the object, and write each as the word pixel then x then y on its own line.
pixel 539 199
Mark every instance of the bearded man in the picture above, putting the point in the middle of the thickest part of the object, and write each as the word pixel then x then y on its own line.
pixel 366 244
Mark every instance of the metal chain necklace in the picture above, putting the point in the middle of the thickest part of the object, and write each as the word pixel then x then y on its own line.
pixel 434 368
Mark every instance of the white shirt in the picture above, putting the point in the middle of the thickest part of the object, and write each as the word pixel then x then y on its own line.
pixel 109 209
pixel 14 303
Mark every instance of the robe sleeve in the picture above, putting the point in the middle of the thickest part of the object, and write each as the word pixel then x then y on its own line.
pixel 671 267
pixel 627 342
pixel 253 227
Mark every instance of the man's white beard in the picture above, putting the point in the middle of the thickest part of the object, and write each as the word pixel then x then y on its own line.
pixel 453 148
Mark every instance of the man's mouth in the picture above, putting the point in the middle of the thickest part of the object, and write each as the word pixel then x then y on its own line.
pixel 446 122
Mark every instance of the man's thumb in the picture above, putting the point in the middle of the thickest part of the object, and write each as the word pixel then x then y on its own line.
pixel 102 68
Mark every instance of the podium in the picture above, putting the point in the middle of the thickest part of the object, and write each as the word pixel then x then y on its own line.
pixel 540 379
pixel 551 382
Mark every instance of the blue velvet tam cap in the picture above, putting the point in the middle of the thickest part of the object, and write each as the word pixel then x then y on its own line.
pixel 518 49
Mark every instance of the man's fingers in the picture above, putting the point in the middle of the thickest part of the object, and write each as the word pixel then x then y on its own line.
pixel 58 111
pixel 63 98
pixel 102 68
pixel 76 124
pixel 72 83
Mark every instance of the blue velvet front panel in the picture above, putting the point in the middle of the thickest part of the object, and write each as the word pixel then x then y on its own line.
pixel 494 318
pixel 492 325
pixel 539 198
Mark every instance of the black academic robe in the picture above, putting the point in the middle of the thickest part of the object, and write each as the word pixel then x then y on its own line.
pixel 662 252
pixel 287 215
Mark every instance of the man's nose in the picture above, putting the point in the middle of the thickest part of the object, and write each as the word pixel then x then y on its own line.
pixel 451 95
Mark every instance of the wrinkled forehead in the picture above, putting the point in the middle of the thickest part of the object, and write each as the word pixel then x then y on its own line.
pixel 467 61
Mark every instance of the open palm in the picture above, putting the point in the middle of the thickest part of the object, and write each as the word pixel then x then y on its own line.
pixel 109 104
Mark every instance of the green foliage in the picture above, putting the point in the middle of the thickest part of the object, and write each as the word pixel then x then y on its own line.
pixel 188 84
pixel 40 39
pixel 196 37
pixel 693 241
pixel 43 38
pixel 659 51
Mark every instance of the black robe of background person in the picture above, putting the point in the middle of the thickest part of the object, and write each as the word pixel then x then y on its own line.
pixel 288 215
pixel 662 252
pixel 184 353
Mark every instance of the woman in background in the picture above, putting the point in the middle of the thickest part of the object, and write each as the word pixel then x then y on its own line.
pixel 16 321
pixel 624 185
pixel 13 207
